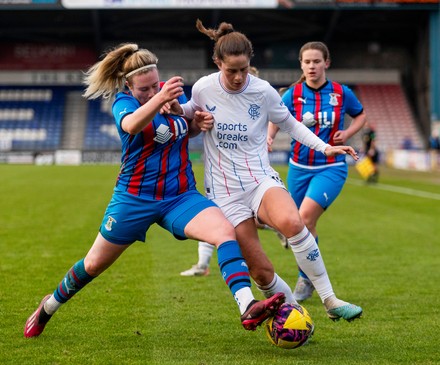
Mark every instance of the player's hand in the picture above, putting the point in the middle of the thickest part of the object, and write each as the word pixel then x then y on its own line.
pixel 172 89
pixel 339 138
pixel 171 107
pixel 269 142
pixel 341 150
pixel 204 120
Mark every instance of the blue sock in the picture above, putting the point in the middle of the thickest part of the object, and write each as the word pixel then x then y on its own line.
pixel 75 279
pixel 302 273
pixel 233 268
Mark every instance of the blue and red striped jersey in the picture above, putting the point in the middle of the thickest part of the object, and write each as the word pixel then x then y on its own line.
pixel 322 111
pixel 155 162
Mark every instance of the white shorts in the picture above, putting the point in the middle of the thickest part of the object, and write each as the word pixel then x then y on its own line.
pixel 244 205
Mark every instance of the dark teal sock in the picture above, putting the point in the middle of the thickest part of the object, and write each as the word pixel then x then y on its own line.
pixel 74 280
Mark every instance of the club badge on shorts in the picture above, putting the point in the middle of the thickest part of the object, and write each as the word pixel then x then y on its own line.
pixel 110 221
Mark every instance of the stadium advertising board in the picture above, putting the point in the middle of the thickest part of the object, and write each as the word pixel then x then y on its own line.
pixel 243 4
pixel 209 4
pixel 375 4
pixel 163 4
pixel 236 4
pixel 31 56
pixel 32 4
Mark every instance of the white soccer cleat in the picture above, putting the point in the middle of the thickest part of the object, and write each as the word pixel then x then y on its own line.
pixel 196 270
pixel 303 289
pixel 283 240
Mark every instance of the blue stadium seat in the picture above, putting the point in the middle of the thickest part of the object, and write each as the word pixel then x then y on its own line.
pixel 101 133
pixel 32 116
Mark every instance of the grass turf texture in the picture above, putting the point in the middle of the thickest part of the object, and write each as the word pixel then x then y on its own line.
pixel 381 250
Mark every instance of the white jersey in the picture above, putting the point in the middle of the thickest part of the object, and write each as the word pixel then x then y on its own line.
pixel 236 155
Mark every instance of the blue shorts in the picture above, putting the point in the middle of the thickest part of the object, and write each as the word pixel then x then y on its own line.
pixel 322 185
pixel 128 217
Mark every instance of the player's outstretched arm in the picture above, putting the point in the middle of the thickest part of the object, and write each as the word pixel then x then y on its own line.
pixel 341 150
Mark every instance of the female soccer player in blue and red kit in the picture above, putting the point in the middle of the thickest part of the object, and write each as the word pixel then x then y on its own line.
pixel 315 180
pixel 155 185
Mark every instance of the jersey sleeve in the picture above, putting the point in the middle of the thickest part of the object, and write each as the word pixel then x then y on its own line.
pixel 182 99
pixel 192 105
pixel 353 106
pixel 122 106
pixel 277 111
pixel 302 134
pixel 287 98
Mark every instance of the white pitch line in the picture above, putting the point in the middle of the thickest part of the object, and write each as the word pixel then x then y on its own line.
pixel 397 189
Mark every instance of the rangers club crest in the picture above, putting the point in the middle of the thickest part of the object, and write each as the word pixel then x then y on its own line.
pixel 254 111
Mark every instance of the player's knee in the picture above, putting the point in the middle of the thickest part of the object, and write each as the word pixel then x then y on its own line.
pixel 93 267
pixel 290 226
pixel 225 230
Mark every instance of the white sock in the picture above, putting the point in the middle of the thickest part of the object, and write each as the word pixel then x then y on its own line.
pixel 243 297
pixel 278 285
pixel 206 251
pixel 309 259
pixel 51 305
pixel 333 302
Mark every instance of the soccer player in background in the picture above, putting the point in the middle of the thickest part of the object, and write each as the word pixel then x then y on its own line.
pixel 371 150
pixel 145 194
pixel 314 180
pixel 238 176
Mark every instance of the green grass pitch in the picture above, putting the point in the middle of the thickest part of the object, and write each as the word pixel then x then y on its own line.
pixel 381 245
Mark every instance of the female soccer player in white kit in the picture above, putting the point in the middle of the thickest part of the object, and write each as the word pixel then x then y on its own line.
pixel 238 176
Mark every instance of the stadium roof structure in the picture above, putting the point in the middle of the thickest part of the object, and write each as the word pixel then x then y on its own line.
pixel 263 26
